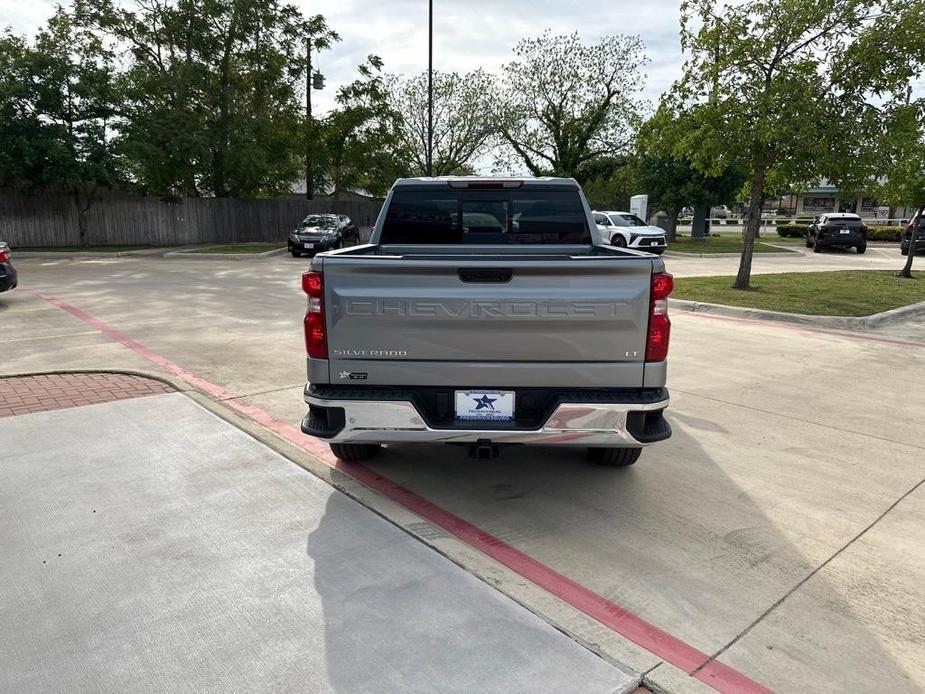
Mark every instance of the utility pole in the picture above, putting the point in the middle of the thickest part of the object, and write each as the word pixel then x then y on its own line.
pixel 309 183
pixel 430 87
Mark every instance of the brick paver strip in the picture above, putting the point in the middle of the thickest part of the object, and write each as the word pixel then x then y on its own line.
pixel 26 394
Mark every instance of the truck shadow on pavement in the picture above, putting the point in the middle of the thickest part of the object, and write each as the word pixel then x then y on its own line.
pixel 676 541
pixel 400 618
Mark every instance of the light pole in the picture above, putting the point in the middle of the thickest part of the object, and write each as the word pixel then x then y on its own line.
pixel 312 81
pixel 430 87
pixel 309 183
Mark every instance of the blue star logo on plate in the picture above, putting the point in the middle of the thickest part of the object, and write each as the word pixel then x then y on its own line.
pixel 483 402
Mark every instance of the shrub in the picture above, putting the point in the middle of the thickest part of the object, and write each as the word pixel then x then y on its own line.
pixel 884 233
pixel 793 231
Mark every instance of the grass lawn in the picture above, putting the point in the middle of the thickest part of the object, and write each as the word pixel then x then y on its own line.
pixel 840 293
pixel 729 243
pixel 92 249
pixel 240 248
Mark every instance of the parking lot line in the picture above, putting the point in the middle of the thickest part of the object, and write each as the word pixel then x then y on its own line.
pixel 50 337
pixel 657 641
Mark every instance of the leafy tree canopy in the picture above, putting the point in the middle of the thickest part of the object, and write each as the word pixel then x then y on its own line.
pixel 563 103
pixel 463 121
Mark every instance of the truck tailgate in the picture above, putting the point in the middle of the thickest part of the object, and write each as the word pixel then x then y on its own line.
pixel 487 321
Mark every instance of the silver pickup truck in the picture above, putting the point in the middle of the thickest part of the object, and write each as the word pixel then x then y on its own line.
pixel 487 312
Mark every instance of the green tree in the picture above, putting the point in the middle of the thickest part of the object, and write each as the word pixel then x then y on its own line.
pixel 609 182
pixel 212 92
pixel 672 181
pixel 781 86
pixel 904 163
pixel 463 116
pixel 58 100
pixel 563 103
pixel 357 137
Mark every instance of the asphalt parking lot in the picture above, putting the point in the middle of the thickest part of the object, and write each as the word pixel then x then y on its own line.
pixel 780 532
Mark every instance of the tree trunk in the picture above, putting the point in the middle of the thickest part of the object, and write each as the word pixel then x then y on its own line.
pixel 219 178
pixel 907 268
pixel 699 222
pixel 673 224
pixel 83 201
pixel 750 232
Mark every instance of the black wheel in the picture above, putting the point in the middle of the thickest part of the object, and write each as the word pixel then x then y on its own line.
pixel 614 457
pixel 904 250
pixel 809 242
pixel 817 247
pixel 295 254
pixel 618 241
pixel 862 249
pixel 355 451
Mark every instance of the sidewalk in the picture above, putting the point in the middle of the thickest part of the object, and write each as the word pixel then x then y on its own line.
pixel 150 546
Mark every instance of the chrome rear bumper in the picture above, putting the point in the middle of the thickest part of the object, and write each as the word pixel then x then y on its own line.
pixel 570 424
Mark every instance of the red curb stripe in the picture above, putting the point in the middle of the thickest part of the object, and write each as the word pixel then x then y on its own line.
pixel 657 641
pixel 800 328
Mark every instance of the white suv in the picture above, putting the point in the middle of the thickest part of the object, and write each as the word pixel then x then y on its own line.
pixel 626 230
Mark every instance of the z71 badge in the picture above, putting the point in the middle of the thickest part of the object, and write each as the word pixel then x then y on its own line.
pixel 353 375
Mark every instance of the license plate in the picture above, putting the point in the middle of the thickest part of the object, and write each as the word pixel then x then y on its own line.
pixel 308 245
pixel 485 405
pixel 845 231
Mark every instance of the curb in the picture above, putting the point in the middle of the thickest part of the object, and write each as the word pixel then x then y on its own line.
pixel 838 322
pixel 92 254
pixel 733 254
pixel 194 255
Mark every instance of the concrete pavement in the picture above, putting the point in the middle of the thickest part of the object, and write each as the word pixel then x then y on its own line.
pixel 149 546
pixel 779 528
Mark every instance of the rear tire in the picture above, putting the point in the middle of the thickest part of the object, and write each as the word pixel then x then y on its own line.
pixel 809 243
pixel 904 251
pixel 618 241
pixel 817 247
pixel 862 249
pixel 614 457
pixel 355 451
pixel 295 253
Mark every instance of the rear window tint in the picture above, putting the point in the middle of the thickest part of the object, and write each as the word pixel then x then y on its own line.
pixel 444 216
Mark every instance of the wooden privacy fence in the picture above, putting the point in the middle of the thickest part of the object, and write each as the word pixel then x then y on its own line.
pixel 52 220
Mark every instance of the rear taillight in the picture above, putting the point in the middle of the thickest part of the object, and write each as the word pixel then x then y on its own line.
pixel 4 255
pixel 659 325
pixel 316 341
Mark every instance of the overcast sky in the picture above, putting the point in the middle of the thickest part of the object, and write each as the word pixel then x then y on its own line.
pixel 467 33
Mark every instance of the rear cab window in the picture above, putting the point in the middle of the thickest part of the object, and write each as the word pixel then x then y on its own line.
pixel 446 216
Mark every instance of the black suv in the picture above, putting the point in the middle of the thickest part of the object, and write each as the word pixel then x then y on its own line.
pixel 7 271
pixel 323 232
pixel 917 227
pixel 837 230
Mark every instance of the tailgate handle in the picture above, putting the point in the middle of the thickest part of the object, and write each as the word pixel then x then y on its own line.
pixel 476 274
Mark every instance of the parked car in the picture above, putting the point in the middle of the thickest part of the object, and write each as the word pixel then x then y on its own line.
pixel 626 230
pixel 457 325
pixel 917 227
pixel 323 232
pixel 719 212
pixel 837 230
pixel 8 276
